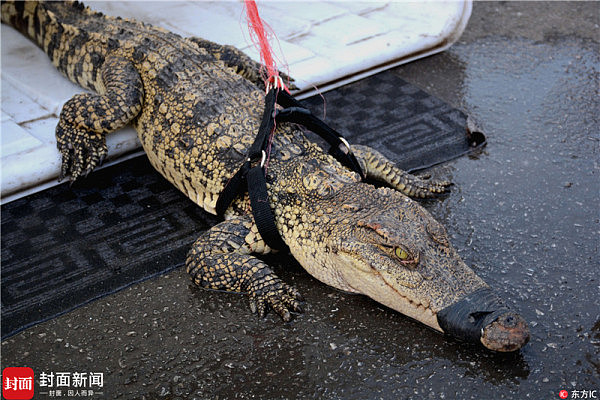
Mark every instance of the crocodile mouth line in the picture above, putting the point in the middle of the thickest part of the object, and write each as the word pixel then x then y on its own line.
pixel 426 313
pixel 392 298
pixel 497 328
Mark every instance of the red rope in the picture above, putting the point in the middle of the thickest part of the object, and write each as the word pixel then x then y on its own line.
pixel 260 37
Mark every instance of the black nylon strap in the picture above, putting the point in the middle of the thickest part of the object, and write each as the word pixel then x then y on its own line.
pixel 232 189
pixel 261 209
pixel 266 127
pixel 257 184
pixel 254 177
pixel 235 184
pixel 339 148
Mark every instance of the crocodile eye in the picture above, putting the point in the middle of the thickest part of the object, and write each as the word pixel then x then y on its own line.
pixel 401 253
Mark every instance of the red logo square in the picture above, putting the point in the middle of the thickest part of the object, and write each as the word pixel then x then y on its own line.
pixel 563 394
pixel 17 383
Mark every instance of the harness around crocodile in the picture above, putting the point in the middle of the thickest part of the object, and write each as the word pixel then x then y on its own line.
pixel 197 106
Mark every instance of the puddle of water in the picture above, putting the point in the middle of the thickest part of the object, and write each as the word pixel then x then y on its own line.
pixel 525 213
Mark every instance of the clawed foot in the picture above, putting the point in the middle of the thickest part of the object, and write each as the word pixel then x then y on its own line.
pixel 81 151
pixel 422 186
pixel 268 290
pixel 376 166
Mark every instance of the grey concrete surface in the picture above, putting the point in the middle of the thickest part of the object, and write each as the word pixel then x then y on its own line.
pixel 524 213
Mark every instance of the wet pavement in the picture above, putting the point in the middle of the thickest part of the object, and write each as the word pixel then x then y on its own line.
pixel 524 213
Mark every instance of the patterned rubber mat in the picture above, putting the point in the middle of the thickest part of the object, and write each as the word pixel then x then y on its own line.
pixel 406 124
pixel 67 246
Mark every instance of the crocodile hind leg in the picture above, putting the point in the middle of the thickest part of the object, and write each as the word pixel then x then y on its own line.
pixel 239 61
pixel 379 168
pixel 86 118
pixel 221 259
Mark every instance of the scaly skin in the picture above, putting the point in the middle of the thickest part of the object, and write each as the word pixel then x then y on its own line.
pixel 196 107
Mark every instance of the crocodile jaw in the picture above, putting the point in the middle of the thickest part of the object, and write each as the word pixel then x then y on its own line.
pixel 506 333
pixel 372 284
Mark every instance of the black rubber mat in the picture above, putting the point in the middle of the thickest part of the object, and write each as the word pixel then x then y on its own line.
pixel 406 124
pixel 67 246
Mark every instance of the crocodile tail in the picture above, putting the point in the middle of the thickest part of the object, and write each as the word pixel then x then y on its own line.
pixel 31 18
pixel 60 29
pixel 14 14
pixel 41 20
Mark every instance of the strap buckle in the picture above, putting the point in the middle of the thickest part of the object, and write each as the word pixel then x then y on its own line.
pixel 275 82
pixel 263 159
pixel 346 148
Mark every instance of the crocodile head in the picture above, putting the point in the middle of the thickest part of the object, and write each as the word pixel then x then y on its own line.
pixel 391 249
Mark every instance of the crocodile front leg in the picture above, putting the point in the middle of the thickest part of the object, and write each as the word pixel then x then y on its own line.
pixel 86 118
pixel 376 166
pixel 240 62
pixel 221 259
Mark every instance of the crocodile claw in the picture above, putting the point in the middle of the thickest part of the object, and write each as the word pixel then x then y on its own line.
pixel 425 187
pixel 269 291
pixel 81 152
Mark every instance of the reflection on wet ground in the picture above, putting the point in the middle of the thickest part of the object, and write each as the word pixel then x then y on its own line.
pixel 523 213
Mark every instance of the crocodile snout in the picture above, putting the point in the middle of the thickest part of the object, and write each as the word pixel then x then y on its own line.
pixel 482 317
pixel 509 332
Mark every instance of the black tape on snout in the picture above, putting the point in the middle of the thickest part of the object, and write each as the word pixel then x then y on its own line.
pixel 466 318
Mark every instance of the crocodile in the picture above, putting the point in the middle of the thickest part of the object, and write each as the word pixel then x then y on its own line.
pixel 196 106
